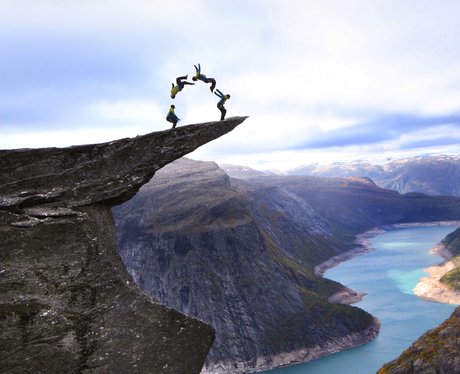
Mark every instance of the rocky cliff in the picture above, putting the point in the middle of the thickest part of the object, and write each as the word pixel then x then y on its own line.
pixel 241 256
pixel 67 304
pixel 237 257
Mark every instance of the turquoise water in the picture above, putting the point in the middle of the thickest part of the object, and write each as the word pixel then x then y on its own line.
pixel 388 276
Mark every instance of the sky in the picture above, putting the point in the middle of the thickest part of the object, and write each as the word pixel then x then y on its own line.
pixel 321 81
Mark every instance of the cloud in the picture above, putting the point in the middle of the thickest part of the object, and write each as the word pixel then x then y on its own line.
pixel 313 76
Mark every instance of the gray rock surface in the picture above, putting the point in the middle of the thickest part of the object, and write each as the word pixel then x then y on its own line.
pixel 67 304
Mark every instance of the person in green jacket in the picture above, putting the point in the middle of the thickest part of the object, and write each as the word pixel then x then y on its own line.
pixel 171 117
pixel 220 104
pixel 202 77
pixel 180 83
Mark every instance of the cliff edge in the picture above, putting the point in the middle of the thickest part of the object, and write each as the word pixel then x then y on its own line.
pixel 67 304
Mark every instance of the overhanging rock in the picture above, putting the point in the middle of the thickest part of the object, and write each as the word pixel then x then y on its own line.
pixel 67 304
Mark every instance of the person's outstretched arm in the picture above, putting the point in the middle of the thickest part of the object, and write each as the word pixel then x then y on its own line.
pixel 219 94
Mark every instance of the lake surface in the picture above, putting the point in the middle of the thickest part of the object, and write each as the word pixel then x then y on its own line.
pixel 388 276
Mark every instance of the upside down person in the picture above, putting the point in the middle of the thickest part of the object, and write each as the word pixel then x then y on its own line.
pixel 202 77
pixel 180 83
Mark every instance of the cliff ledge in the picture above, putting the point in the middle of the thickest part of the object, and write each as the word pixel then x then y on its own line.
pixel 67 304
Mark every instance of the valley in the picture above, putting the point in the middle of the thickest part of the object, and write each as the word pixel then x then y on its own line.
pixel 241 256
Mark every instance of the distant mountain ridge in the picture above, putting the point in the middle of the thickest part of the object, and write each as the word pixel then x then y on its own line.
pixel 433 175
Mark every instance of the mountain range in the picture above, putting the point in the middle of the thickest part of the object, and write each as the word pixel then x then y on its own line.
pixel 433 175
pixel 240 254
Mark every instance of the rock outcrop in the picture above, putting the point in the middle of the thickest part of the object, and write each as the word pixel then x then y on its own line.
pixel 67 304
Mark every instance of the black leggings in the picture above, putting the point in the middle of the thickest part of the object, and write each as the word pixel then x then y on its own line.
pixel 213 83
pixel 223 111
pixel 182 84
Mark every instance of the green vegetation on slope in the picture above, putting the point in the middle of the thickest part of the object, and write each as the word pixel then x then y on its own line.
pixel 452 243
pixel 434 352
pixel 323 315
pixel 452 278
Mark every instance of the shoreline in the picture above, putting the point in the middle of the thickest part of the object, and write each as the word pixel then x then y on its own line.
pixel 363 246
pixel 344 296
pixel 430 288
pixel 301 356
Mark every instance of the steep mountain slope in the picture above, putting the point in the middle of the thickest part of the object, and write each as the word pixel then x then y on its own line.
pixel 452 244
pixel 434 352
pixel 67 304
pixel 242 172
pixel 214 251
pixel 355 204
pixel 433 175
pixel 241 255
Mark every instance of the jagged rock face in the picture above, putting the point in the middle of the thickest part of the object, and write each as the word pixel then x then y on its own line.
pixel 67 304
pixel 434 352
